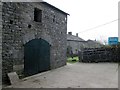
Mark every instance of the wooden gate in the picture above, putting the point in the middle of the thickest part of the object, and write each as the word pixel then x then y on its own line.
pixel 36 57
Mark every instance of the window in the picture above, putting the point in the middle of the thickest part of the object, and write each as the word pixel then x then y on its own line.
pixel 54 18
pixel 37 15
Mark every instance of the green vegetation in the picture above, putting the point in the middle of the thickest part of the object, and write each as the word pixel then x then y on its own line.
pixel 72 60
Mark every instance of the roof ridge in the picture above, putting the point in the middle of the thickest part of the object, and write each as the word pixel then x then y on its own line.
pixel 73 37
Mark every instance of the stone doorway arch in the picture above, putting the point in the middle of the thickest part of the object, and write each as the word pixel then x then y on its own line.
pixel 36 56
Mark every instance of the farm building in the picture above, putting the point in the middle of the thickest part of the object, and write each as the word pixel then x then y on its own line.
pixel 33 38
pixel 76 43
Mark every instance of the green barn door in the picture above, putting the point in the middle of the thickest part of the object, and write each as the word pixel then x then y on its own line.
pixel 37 57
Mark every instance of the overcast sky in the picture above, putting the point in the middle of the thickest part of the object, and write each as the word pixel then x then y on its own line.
pixel 87 14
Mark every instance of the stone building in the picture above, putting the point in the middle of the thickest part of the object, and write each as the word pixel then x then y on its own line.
pixel 0 43
pixel 76 43
pixel 33 38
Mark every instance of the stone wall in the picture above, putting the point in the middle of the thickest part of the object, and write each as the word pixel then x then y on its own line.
pixel 0 42
pixel 106 54
pixel 76 45
pixel 80 45
pixel 19 28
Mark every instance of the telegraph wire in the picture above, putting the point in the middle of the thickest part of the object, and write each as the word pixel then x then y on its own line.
pixel 99 26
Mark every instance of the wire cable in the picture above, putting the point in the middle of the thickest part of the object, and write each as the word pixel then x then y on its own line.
pixel 99 26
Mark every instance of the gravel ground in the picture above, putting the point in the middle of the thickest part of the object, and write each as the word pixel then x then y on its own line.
pixel 78 75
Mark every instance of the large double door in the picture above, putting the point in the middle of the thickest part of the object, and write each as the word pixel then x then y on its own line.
pixel 36 57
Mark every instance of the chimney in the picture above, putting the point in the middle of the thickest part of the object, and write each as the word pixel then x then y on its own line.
pixel 70 33
pixel 77 34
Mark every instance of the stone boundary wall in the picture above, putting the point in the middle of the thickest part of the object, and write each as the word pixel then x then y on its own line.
pixel 100 55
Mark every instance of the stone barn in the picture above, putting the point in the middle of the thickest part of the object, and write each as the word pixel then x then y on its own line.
pixel 33 38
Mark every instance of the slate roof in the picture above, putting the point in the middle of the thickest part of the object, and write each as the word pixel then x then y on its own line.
pixel 92 41
pixel 74 38
pixel 89 43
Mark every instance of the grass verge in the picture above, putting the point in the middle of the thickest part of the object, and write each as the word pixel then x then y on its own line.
pixel 72 60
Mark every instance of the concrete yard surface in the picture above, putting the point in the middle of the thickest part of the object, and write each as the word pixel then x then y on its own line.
pixel 78 75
